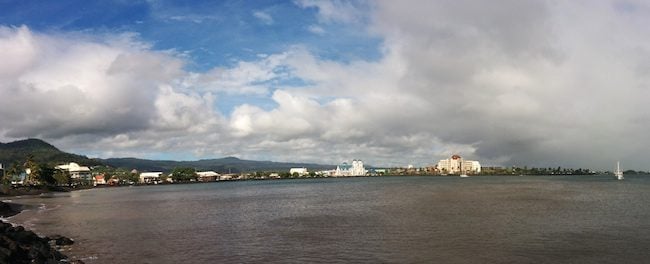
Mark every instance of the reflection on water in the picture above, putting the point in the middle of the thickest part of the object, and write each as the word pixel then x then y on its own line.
pixel 588 219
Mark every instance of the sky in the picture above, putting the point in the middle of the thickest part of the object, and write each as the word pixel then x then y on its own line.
pixel 507 82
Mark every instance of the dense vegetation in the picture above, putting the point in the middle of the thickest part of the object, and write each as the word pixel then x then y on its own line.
pixel 41 152
pixel 223 165
pixel 184 174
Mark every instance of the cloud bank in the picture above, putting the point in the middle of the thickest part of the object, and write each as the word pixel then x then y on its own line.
pixel 536 83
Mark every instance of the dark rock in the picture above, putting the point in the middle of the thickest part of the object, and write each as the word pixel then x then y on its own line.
pixel 53 237
pixel 26 236
pixel 11 245
pixel 18 245
pixel 4 226
pixel 40 250
pixel 64 241
pixel 5 253
pixel 58 255
pixel 5 210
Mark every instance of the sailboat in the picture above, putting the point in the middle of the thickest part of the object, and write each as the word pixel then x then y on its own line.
pixel 618 173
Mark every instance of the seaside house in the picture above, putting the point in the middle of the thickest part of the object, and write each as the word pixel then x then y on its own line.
pixel 76 172
pixel 299 171
pixel 206 176
pixel 18 179
pixel 113 181
pixel 326 173
pixel 226 177
pixel 150 177
pixel 99 180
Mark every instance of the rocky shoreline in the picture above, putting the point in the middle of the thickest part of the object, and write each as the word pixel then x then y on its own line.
pixel 18 245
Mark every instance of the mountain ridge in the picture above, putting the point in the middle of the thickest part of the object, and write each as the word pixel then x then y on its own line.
pixel 16 152
pixel 44 152
pixel 222 165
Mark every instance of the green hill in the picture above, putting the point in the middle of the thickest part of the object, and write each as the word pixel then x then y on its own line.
pixel 43 152
pixel 223 165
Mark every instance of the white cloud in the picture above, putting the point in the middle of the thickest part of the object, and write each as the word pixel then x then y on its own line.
pixel 194 18
pixel 318 30
pixel 108 89
pixel 566 85
pixel 246 77
pixel 264 17
pixel 338 11
pixel 463 78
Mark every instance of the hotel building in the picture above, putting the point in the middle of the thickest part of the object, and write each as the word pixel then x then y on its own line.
pixel 345 169
pixel 456 165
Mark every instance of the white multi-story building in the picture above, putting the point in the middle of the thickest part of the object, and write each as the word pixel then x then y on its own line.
pixel 355 169
pixel 208 175
pixel 150 177
pixel 456 165
pixel 76 171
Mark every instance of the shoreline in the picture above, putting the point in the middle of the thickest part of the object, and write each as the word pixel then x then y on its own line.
pixel 21 245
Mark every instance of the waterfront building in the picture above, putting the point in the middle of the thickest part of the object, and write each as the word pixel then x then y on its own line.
pixel 208 175
pixel 99 180
pixel 76 171
pixel 354 169
pixel 326 173
pixel 456 165
pixel 150 177
pixel 299 171
pixel 226 177
pixel 18 179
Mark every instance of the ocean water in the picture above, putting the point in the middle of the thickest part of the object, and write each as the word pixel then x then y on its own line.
pixel 509 219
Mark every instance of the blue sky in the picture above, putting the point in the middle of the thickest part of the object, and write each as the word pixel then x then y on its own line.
pixel 211 33
pixel 389 82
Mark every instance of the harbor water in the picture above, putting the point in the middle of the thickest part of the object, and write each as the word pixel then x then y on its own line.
pixel 495 219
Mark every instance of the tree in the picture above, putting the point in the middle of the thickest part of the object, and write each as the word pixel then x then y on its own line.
pixel 163 177
pixel 181 174
pixel 62 177
pixel 33 170
pixel 46 174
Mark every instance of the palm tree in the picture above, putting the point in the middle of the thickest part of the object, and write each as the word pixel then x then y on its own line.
pixel 32 169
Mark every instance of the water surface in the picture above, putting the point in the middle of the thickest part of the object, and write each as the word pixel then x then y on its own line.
pixel 530 219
